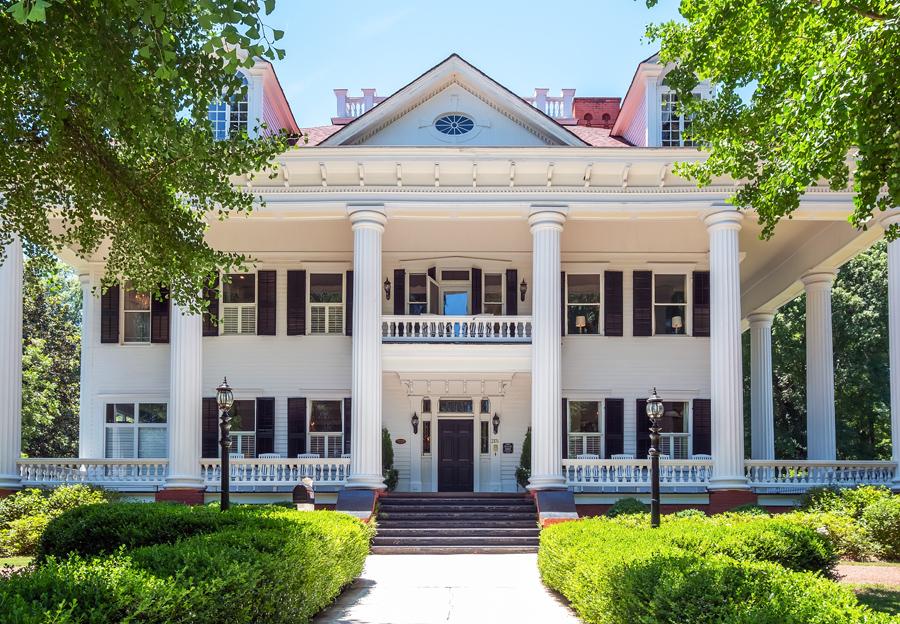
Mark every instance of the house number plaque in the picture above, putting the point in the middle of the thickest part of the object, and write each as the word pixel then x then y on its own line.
pixel 507 448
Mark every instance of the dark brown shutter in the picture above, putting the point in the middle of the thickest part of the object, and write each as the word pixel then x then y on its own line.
pixel 296 303
pixel 210 428
pixel 701 303
pixel 265 307
pixel 265 425
pixel 347 419
pixel 159 317
pixel 614 423
pixel 642 429
pixel 512 295
pixel 348 299
pixel 109 315
pixel 702 426
pixel 565 428
pixel 399 291
pixel 211 294
pixel 643 303
pixel 612 303
pixel 296 427
pixel 477 296
pixel 562 303
pixel 432 273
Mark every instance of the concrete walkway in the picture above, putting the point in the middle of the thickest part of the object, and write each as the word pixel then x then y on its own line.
pixel 422 589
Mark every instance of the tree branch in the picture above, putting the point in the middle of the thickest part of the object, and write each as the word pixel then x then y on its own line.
pixel 864 12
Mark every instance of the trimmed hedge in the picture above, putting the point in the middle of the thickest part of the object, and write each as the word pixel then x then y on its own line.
pixel 882 522
pixel 627 506
pixel 695 570
pixel 251 564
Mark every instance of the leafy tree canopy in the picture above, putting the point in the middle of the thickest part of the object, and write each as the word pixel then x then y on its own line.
pixel 825 91
pixel 104 136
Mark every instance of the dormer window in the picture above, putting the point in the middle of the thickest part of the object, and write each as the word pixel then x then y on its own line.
pixel 674 125
pixel 230 118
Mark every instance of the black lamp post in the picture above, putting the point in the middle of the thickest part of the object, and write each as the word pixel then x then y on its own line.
pixel 415 422
pixel 654 413
pixel 225 399
pixel 495 421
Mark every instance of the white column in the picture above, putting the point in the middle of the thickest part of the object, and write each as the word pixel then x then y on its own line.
pixel 546 391
pixel 726 377
pixel 365 442
pixel 894 333
pixel 185 399
pixel 10 364
pixel 762 410
pixel 90 423
pixel 821 441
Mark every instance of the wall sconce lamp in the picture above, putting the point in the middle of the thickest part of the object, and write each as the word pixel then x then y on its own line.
pixel 387 289
pixel 496 422
pixel 523 288
pixel 415 422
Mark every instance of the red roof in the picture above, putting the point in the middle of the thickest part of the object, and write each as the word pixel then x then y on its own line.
pixel 317 134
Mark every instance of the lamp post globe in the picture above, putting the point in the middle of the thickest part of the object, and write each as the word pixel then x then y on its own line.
pixel 225 400
pixel 655 410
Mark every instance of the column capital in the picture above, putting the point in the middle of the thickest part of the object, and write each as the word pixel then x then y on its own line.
pixel 818 279
pixel 367 216
pixel 723 218
pixel 547 217
pixel 761 319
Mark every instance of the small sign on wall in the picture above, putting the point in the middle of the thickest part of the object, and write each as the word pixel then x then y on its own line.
pixel 507 448
pixel 400 441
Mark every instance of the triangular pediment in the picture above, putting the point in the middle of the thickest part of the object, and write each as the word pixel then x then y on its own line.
pixel 490 114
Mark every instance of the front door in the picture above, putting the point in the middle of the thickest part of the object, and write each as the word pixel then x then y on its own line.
pixel 455 455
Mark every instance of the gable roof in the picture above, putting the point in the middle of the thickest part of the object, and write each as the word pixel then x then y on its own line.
pixel 454 69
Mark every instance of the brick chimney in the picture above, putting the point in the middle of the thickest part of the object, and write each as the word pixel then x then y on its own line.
pixel 598 112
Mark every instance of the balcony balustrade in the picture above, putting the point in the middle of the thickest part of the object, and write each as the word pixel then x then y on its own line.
pixel 491 329
pixel 264 473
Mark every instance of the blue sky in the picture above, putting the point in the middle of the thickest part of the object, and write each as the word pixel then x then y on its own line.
pixel 592 46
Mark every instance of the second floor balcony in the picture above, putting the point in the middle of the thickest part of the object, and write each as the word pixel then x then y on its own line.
pixel 456 329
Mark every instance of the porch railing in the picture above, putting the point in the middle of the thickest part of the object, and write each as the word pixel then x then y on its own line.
pixel 799 475
pixel 613 473
pixel 456 328
pixel 277 472
pixel 112 473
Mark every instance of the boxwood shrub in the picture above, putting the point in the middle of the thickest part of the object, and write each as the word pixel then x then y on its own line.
pixel 613 573
pixel 251 564
pixel 882 523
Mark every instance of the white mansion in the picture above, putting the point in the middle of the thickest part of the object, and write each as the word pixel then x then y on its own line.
pixel 455 264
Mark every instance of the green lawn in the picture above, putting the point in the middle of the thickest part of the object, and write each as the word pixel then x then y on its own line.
pixel 879 597
pixel 17 562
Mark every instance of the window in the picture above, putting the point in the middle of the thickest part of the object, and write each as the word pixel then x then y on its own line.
pixel 673 124
pixel 243 428
pixel 136 315
pixel 239 304
pixel 326 303
pixel 454 124
pixel 426 437
pixel 493 293
pixel 485 406
pixel 584 428
pixel 583 304
pixel 454 276
pixel 669 304
pixel 326 428
pixel 417 299
pixel 426 405
pixel 675 440
pixel 136 430
pixel 455 406
pixel 485 438
pixel 230 118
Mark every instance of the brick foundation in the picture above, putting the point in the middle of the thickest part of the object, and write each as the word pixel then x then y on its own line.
pixel 181 495
pixel 6 492
pixel 587 511
pixel 723 500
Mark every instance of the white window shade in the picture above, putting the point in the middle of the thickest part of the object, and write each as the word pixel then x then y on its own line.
pixel 326 318
pixel 152 442
pixel 238 318
pixel 119 442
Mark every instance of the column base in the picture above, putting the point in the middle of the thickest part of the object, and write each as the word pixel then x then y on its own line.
pixel 546 482
pixel 185 496
pixel 723 500
pixel 365 482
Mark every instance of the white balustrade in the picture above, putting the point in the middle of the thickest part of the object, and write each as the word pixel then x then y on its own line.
pixel 793 476
pixel 456 328
pixel 112 473
pixel 555 106
pixel 354 106
pixel 277 472
pixel 609 473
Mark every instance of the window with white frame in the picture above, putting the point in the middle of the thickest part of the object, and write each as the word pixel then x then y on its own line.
pixel 135 315
pixel 484 437
pixel 230 117
pixel 673 124
pixel 585 431
pixel 582 303
pixel 417 294
pixel 493 293
pixel 243 428
pixel 670 304
pixel 675 439
pixel 239 304
pixel 426 437
pixel 326 428
pixel 326 303
pixel 136 430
